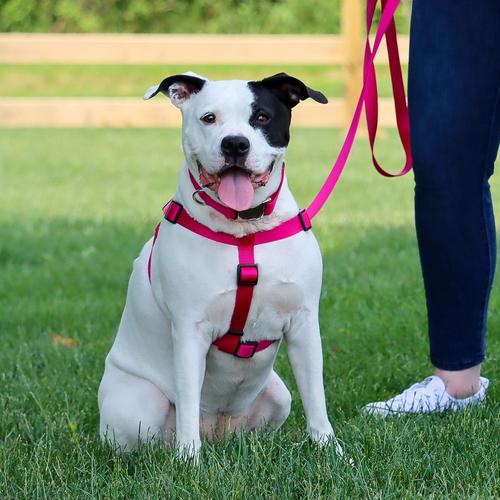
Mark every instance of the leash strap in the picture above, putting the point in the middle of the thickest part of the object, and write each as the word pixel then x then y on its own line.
pixel 398 91
pixel 368 95
pixel 247 272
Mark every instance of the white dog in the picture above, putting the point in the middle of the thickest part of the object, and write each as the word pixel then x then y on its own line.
pixel 164 375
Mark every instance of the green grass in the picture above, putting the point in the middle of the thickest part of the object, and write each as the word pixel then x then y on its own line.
pixel 41 80
pixel 75 208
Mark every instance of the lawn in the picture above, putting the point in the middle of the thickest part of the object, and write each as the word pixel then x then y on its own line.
pixel 75 209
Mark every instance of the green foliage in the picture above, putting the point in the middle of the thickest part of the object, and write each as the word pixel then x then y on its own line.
pixel 76 207
pixel 172 16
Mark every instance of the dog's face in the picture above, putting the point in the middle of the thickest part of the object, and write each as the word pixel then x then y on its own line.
pixel 235 132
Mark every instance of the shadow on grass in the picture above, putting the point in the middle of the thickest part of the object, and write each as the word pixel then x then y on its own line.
pixel 69 278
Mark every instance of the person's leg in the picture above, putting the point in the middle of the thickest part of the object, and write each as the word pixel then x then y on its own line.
pixel 454 83
pixel 454 87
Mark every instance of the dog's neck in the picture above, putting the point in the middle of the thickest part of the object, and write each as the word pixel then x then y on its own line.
pixel 285 208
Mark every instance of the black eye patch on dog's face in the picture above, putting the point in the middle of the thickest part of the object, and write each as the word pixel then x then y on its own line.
pixel 270 115
pixel 275 96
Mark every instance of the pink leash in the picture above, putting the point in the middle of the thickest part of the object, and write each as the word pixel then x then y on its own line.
pixel 369 97
pixel 247 273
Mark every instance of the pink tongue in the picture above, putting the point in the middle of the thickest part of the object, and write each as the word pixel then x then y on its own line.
pixel 235 189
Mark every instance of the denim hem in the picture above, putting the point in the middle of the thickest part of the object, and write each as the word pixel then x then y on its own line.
pixel 456 366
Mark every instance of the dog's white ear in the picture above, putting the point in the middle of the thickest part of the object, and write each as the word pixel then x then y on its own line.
pixel 179 88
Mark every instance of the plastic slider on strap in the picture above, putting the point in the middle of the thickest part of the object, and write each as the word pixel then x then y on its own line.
pixel 247 274
pixel 173 211
pixel 246 349
pixel 305 220
pixel 234 332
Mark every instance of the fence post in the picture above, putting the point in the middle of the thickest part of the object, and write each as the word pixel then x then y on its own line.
pixel 352 32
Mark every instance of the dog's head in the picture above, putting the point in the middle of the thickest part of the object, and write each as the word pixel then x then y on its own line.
pixel 235 132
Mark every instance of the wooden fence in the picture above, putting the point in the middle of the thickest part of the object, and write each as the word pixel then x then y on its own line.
pixel 345 50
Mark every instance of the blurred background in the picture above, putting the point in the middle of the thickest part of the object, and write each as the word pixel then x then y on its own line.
pixel 59 58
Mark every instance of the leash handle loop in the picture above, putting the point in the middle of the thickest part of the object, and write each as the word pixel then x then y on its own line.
pixel 368 95
pixel 398 90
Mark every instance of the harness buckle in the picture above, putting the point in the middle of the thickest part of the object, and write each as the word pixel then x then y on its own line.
pixel 247 274
pixel 246 349
pixel 173 211
pixel 305 220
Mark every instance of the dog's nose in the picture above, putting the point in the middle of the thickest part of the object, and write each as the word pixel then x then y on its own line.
pixel 235 145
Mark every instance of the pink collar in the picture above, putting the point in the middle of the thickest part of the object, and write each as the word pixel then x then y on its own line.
pixel 257 212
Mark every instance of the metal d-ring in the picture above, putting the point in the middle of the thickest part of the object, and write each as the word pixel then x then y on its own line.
pixel 196 198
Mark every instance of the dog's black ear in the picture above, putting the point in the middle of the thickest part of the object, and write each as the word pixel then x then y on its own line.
pixel 291 90
pixel 178 87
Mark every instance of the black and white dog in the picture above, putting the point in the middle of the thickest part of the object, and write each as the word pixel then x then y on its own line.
pixel 163 375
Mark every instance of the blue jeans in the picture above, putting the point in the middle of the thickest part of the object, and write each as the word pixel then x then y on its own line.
pixel 454 94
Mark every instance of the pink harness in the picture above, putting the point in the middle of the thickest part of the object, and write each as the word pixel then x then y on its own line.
pixel 247 271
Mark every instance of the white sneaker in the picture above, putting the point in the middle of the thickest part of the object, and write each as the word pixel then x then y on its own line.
pixel 428 396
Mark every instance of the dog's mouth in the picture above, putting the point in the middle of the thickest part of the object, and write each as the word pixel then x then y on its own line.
pixel 235 186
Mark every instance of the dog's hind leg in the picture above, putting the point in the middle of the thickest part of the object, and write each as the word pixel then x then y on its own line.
pixel 269 410
pixel 272 406
pixel 132 410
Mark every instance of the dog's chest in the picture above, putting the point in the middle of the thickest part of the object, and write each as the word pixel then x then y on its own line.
pixel 201 281
pixel 279 293
pixel 276 297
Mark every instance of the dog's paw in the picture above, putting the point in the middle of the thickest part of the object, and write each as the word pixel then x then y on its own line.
pixel 326 438
pixel 323 436
pixel 189 453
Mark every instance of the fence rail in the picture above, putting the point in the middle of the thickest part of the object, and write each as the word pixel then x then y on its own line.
pixel 20 48
pixel 132 112
pixel 344 49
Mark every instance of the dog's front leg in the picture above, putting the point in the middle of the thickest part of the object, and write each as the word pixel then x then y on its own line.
pixel 190 353
pixel 305 353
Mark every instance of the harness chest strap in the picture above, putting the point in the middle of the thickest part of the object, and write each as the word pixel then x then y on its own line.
pixel 247 276
pixel 247 271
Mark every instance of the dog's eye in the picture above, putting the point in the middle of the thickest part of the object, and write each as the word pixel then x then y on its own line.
pixel 262 118
pixel 208 118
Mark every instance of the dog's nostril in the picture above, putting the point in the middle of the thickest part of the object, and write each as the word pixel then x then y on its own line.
pixel 235 145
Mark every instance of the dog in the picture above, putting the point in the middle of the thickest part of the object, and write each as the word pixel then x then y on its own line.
pixel 164 377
